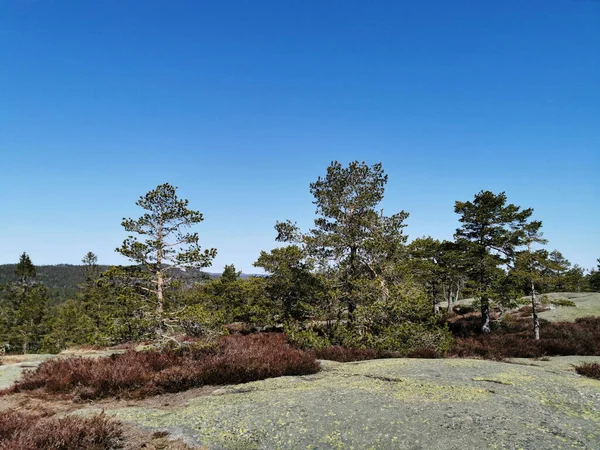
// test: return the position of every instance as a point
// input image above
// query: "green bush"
(305, 338)
(197, 321)
(400, 322)
(563, 302)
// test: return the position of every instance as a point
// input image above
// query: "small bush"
(563, 302)
(32, 431)
(236, 359)
(591, 370)
(345, 354)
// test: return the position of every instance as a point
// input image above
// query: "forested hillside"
(62, 280)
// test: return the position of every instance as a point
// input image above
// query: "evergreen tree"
(350, 234)
(167, 246)
(23, 309)
(229, 273)
(25, 270)
(560, 267)
(91, 269)
(594, 278)
(492, 231)
(291, 284)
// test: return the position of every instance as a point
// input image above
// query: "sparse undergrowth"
(236, 359)
(33, 431)
(513, 338)
(345, 354)
(591, 370)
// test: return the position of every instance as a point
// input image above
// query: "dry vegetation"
(513, 338)
(236, 359)
(591, 370)
(42, 430)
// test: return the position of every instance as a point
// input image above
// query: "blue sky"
(243, 104)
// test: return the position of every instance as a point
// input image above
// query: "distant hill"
(60, 276)
(63, 280)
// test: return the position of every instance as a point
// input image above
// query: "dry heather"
(236, 359)
(33, 431)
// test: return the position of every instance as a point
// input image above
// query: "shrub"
(236, 359)
(591, 370)
(305, 338)
(31, 431)
(513, 338)
(563, 302)
(197, 321)
(345, 354)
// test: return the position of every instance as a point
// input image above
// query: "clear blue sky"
(243, 103)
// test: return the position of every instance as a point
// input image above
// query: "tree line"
(352, 279)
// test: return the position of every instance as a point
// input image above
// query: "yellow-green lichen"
(428, 392)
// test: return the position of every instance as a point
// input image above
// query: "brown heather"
(514, 339)
(591, 370)
(34, 431)
(236, 359)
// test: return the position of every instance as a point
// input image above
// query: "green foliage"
(63, 281)
(439, 267)
(91, 269)
(197, 321)
(23, 309)
(167, 246)
(241, 300)
(400, 322)
(305, 338)
(594, 278)
(351, 240)
(108, 310)
(25, 271)
(563, 302)
(291, 285)
(492, 232)
(230, 274)
(71, 325)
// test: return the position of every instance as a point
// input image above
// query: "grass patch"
(591, 370)
(236, 359)
(32, 431)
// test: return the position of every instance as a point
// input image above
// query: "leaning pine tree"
(167, 245)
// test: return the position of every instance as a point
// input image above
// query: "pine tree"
(351, 235)
(166, 246)
(491, 231)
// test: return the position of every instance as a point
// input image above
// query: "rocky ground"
(398, 403)
(395, 403)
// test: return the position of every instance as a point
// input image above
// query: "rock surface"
(395, 404)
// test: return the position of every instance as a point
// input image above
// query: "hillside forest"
(353, 281)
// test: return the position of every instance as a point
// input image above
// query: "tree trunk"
(349, 286)
(536, 320)
(25, 343)
(485, 315)
(436, 301)
(455, 298)
(160, 281)
(159, 291)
